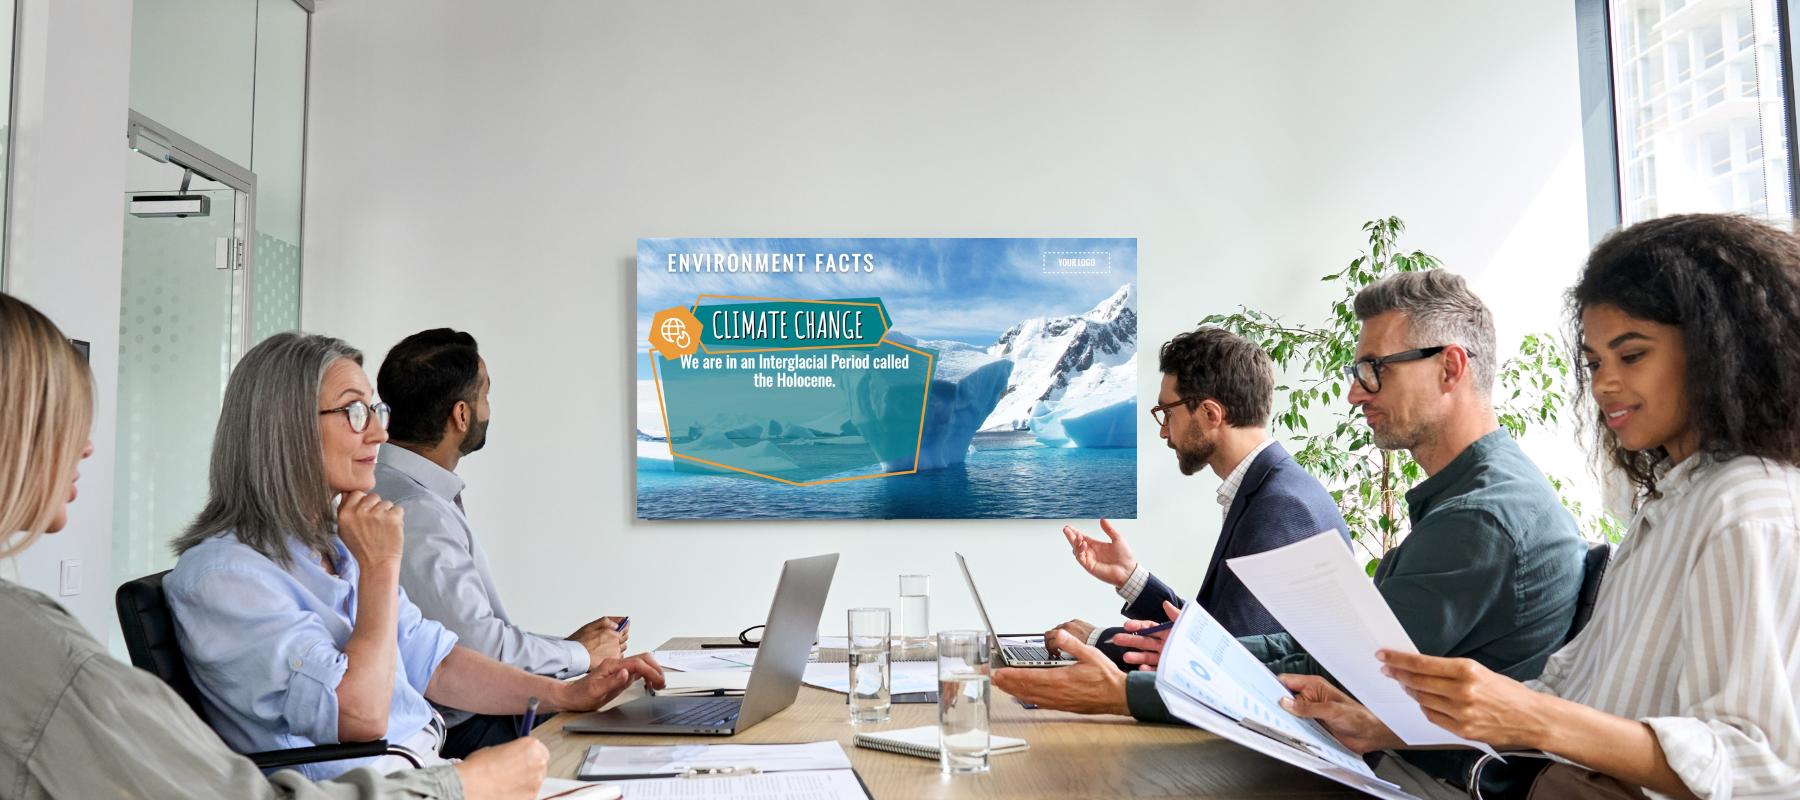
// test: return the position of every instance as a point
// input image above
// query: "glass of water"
(868, 656)
(915, 612)
(962, 658)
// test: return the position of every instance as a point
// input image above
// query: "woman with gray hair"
(286, 596)
(76, 723)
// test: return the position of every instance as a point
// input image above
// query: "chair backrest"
(1593, 570)
(149, 630)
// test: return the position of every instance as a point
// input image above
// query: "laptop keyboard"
(710, 713)
(1028, 653)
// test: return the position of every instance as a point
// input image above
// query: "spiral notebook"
(923, 742)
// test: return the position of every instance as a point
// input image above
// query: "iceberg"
(1112, 425)
(762, 457)
(1046, 425)
(735, 426)
(790, 431)
(653, 455)
(966, 384)
(649, 411)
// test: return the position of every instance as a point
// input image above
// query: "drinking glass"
(870, 697)
(963, 699)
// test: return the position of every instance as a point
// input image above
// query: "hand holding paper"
(1470, 700)
(1320, 596)
(1349, 721)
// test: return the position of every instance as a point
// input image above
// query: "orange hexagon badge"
(675, 332)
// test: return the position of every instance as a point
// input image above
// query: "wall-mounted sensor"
(170, 205)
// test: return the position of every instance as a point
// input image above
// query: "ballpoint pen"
(530, 719)
(1159, 628)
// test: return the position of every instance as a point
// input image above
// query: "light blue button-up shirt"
(265, 645)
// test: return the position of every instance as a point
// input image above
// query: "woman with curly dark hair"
(1684, 682)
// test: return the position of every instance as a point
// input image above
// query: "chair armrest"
(1486, 759)
(272, 759)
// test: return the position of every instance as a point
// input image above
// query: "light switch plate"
(71, 577)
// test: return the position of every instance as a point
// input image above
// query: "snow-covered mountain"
(1088, 360)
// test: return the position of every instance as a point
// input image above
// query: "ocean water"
(994, 483)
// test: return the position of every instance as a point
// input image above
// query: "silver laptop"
(1013, 655)
(774, 678)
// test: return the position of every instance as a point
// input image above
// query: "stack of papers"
(606, 762)
(565, 789)
(705, 660)
(835, 784)
(814, 771)
(906, 677)
(1207, 678)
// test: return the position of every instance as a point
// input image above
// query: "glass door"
(183, 322)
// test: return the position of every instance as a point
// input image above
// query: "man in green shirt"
(1493, 563)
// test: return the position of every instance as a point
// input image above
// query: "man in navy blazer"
(1213, 410)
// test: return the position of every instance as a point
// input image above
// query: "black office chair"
(149, 631)
(1593, 570)
(1526, 765)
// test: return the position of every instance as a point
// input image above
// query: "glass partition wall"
(212, 218)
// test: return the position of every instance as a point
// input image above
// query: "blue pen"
(1146, 631)
(622, 624)
(530, 720)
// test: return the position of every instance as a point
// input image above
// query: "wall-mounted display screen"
(887, 378)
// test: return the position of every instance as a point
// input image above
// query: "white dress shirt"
(445, 572)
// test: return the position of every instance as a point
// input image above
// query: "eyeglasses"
(358, 414)
(1160, 413)
(1368, 371)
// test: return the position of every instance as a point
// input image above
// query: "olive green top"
(75, 723)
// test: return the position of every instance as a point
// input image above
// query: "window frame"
(1599, 106)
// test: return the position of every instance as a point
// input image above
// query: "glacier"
(966, 384)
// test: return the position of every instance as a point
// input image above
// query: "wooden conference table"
(1070, 756)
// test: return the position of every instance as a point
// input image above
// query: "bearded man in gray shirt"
(436, 382)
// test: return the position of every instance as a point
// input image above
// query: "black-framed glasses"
(1160, 413)
(1368, 371)
(358, 414)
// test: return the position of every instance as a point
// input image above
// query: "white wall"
(490, 166)
(64, 244)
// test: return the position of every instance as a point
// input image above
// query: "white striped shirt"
(1696, 631)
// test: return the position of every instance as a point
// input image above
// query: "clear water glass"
(915, 612)
(963, 699)
(870, 694)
